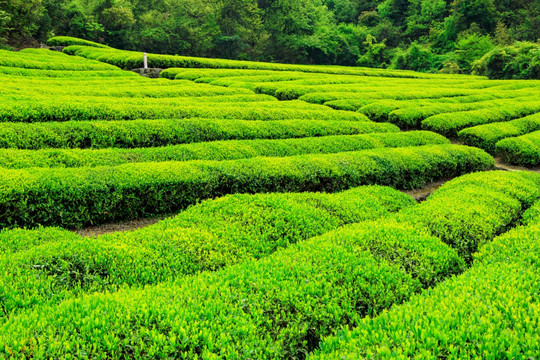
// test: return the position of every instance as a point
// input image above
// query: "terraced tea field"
(288, 234)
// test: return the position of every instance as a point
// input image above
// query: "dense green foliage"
(130, 59)
(252, 227)
(77, 196)
(256, 263)
(520, 61)
(450, 124)
(486, 136)
(68, 40)
(496, 201)
(491, 37)
(281, 305)
(215, 150)
(151, 133)
(521, 150)
(490, 311)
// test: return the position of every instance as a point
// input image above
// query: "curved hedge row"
(216, 150)
(407, 92)
(131, 60)
(99, 89)
(532, 215)
(75, 197)
(486, 136)
(348, 104)
(68, 40)
(495, 202)
(240, 312)
(277, 307)
(153, 133)
(521, 150)
(412, 117)
(284, 91)
(380, 110)
(490, 311)
(149, 94)
(450, 124)
(90, 108)
(49, 60)
(324, 95)
(51, 264)
(194, 74)
(65, 74)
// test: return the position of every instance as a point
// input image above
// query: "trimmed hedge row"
(275, 307)
(278, 307)
(68, 40)
(348, 104)
(412, 117)
(216, 150)
(381, 92)
(136, 93)
(380, 110)
(284, 91)
(521, 150)
(89, 108)
(486, 136)
(51, 264)
(532, 215)
(491, 311)
(450, 124)
(320, 96)
(194, 74)
(101, 90)
(49, 60)
(151, 133)
(75, 197)
(131, 60)
(69, 74)
(496, 201)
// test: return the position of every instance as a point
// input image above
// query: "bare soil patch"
(93, 231)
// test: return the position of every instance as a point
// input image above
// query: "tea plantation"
(289, 231)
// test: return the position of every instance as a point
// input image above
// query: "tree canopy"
(423, 35)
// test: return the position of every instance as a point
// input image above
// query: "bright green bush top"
(68, 40)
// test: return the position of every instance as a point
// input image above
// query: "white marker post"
(145, 61)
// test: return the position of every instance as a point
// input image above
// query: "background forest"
(459, 36)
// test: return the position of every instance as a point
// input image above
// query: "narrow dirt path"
(96, 230)
(423, 193)
(504, 166)
(417, 194)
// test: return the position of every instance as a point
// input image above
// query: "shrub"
(451, 123)
(486, 136)
(73, 197)
(68, 40)
(487, 310)
(280, 306)
(47, 60)
(521, 150)
(152, 133)
(495, 203)
(47, 265)
(518, 61)
(215, 150)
